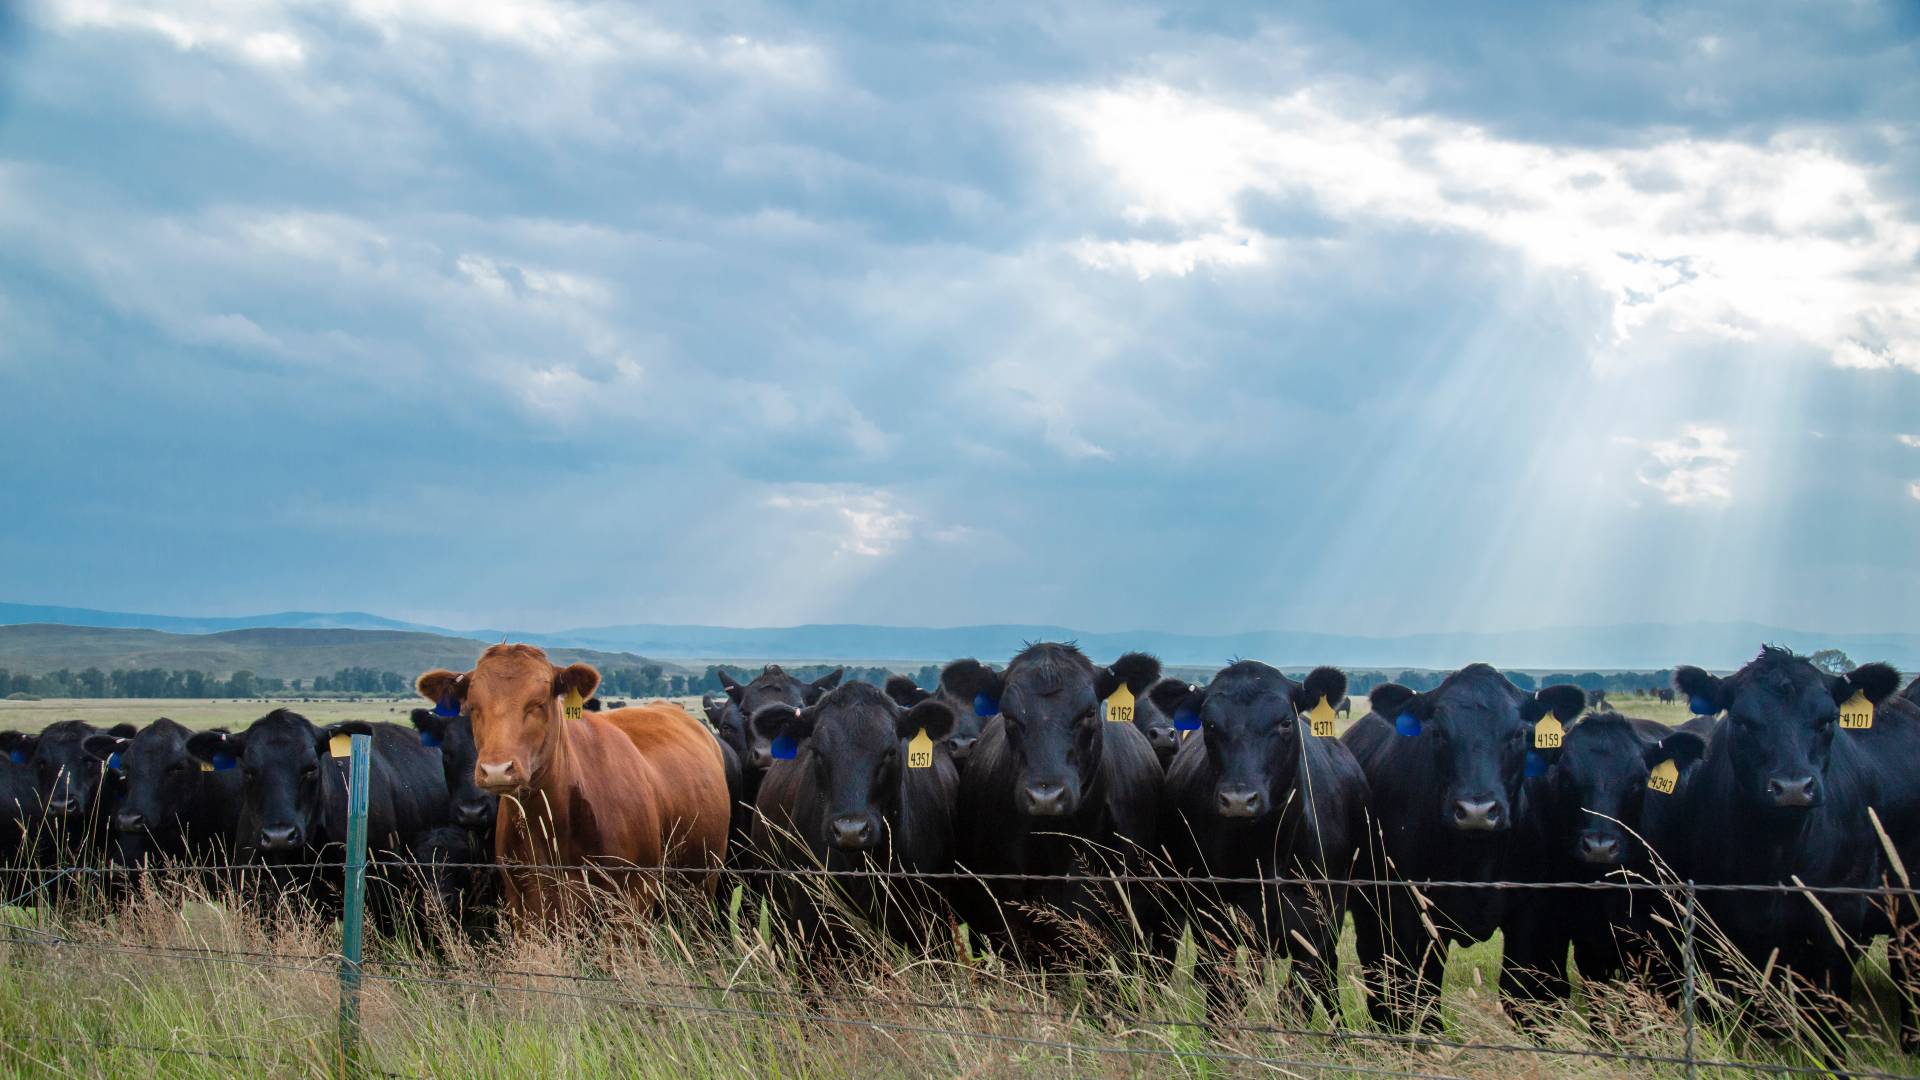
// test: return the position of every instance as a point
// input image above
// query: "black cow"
(771, 687)
(1779, 798)
(173, 807)
(849, 800)
(1141, 673)
(961, 688)
(1586, 813)
(73, 787)
(293, 805)
(468, 807)
(1345, 708)
(19, 824)
(1912, 692)
(743, 783)
(1255, 794)
(1052, 788)
(1445, 768)
(1664, 694)
(453, 860)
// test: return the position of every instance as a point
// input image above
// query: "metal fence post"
(354, 917)
(1688, 990)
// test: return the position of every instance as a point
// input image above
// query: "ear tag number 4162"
(574, 704)
(1320, 719)
(920, 751)
(1857, 713)
(1548, 733)
(1120, 705)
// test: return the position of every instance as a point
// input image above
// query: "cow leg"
(1533, 962)
(1903, 966)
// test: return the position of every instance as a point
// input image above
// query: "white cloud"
(1719, 239)
(862, 522)
(1692, 469)
(1911, 441)
(246, 30)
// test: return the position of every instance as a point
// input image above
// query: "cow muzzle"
(1599, 849)
(474, 813)
(499, 777)
(1478, 815)
(853, 833)
(1047, 799)
(279, 837)
(130, 821)
(960, 746)
(1241, 802)
(1795, 792)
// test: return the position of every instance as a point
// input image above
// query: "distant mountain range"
(1640, 646)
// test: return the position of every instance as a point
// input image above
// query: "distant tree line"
(138, 683)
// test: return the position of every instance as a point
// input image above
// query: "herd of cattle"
(1056, 805)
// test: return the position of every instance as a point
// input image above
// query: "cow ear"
(1167, 695)
(1683, 748)
(443, 687)
(219, 749)
(1185, 709)
(971, 680)
(103, 747)
(432, 729)
(904, 692)
(1563, 700)
(818, 687)
(714, 707)
(781, 720)
(1105, 682)
(17, 745)
(1138, 670)
(1391, 699)
(128, 731)
(731, 685)
(325, 735)
(1322, 682)
(930, 716)
(1706, 695)
(1876, 680)
(594, 704)
(579, 679)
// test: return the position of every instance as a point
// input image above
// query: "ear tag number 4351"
(1857, 713)
(1548, 733)
(574, 704)
(1120, 705)
(920, 751)
(1320, 719)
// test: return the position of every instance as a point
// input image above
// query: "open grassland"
(175, 981)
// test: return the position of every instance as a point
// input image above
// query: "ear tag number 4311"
(1120, 705)
(574, 704)
(1857, 713)
(1320, 719)
(1548, 733)
(920, 751)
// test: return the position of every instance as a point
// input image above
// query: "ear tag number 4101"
(1120, 705)
(1857, 713)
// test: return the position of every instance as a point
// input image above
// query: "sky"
(1364, 318)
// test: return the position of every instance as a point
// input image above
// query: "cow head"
(1476, 729)
(965, 687)
(471, 808)
(1250, 721)
(1049, 702)
(512, 699)
(772, 687)
(1781, 717)
(1595, 784)
(161, 777)
(283, 767)
(728, 725)
(71, 778)
(853, 740)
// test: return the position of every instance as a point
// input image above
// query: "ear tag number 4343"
(574, 704)
(1857, 713)
(920, 751)
(1664, 777)
(1320, 719)
(1548, 733)
(1120, 706)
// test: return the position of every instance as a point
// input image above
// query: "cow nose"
(1163, 738)
(761, 757)
(473, 813)
(1791, 790)
(1046, 800)
(279, 837)
(852, 833)
(1599, 849)
(62, 804)
(497, 775)
(129, 821)
(1477, 814)
(1242, 802)
(961, 745)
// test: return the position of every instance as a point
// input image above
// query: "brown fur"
(641, 786)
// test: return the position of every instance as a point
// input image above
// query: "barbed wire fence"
(769, 1004)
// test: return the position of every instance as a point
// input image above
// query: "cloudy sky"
(1368, 320)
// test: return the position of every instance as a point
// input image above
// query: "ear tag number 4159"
(574, 704)
(920, 751)
(1120, 705)
(1320, 719)
(1548, 733)
(1857, 713)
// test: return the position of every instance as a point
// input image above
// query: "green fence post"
(354, 917)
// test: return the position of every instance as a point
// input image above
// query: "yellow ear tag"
(1548, 733)
(1663, 777)
(340, 746)
(1857, 713)
(206, 766)
(1321, 719)
(1120, 705)
(574, 704)
(920, 751)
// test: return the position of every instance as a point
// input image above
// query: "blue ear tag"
(985, 707)
(222, 762)
(1184, 720)
(113, 760)
(428, 738)
(1700, 706)
(446, 707)
(1536, 763)
(784, 747)
(18, 757)
(1407, 724)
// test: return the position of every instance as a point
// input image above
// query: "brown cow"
(640, 786)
